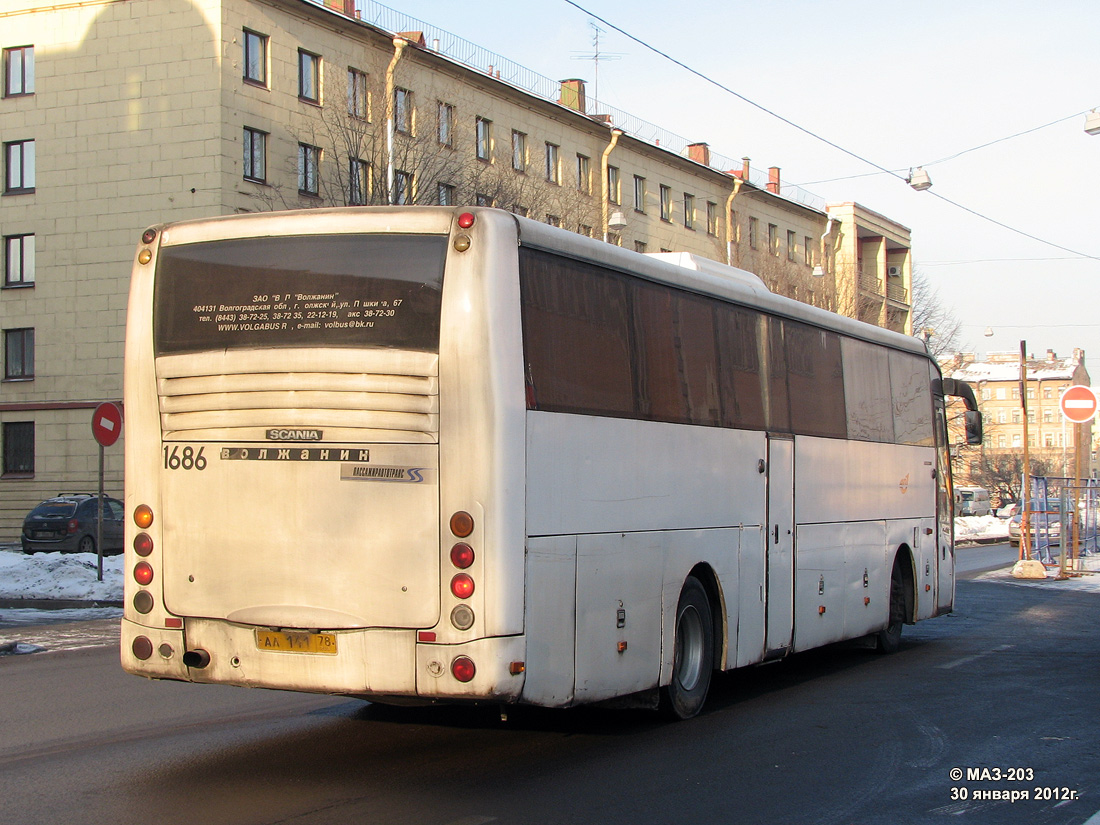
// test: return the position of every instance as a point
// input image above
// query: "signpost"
(106, 428)
(1078, 405)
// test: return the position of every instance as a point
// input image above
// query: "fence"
(1065, 513)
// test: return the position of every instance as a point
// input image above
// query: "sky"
(899, 84)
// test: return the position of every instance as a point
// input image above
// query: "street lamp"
(1092, 122)
(919, 179)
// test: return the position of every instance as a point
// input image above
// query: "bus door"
(780, 546)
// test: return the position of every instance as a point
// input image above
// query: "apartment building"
(1051, 440)
(118, 114)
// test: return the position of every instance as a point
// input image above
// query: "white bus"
(437, 454)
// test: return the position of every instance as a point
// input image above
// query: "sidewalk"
(1086, 576)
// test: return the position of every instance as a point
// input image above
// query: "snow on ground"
(972, 528)
(59, 576)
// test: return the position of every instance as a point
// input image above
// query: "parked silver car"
(1046, 522)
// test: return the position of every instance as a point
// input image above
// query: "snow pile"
(59, 576)
(973, 528)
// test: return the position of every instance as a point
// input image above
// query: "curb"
(55, 604)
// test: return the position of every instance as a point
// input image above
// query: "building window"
(640, 246)
(255, 155)
(613, 194)
(402, 188)
(446, 132)
(18, 448)
(1048, 416)
(358, 100)
(19, 166)
(484, 138)
(18, 354)
(19, 71)
(309, 166)
(666, 203)
(358, 182)
(712, 218)
(553, 220)
(483, 200)
(1017, 440)
(639, 194)
(808, 250)
(403, 110)
(584, 174)
(553, 166)
(754, 233)
(445, 194)
(519, 151)
(689, 211)
(584, 229)
(792, 245)
(255, 58)
(19, 260)
(773, 239)
(309, 76)
(520, 210)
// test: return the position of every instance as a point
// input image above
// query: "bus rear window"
(303, 291)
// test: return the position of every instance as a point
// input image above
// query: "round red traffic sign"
(1078, 404)
(107, 423)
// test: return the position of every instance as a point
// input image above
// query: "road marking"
(967, 659)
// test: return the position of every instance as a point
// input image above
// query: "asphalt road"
(839, 736)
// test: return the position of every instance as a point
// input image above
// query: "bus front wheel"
(693, 656)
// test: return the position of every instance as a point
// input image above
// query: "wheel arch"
(903, 558)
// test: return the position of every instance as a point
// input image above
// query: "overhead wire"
(881, 169)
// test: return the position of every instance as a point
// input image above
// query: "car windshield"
(54, 509)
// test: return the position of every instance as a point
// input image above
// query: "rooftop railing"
(481, 59)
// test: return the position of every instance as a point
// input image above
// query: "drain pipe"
(615, 134)
(729, 220)
(399, 44)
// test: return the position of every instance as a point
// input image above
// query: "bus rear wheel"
(889, 638)
(693, 656)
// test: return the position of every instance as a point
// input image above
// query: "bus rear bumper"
(370, 662)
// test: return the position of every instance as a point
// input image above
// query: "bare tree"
(361, 168)
(933, 320)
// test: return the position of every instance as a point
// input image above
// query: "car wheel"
(87, 545)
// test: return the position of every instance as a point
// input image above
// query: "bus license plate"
(290, 642)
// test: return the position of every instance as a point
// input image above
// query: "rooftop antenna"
(596, 56)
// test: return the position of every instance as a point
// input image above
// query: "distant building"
(119, 114)
(996, 381)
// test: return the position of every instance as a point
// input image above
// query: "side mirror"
(973, 427)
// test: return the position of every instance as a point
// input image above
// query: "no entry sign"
(107, 423)
(1078, 404)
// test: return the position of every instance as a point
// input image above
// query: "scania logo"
(294, 435)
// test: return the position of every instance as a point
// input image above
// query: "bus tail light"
(462, 617)
(143, 516)
(462, 555)
(143, 602)
(462, 586)
(466, 220)
(142, 648)
(462, 524)
(462, 668)
(143, 544)
(143, 573)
